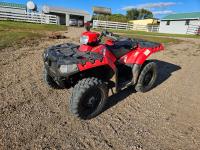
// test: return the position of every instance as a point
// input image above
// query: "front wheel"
(147, 77)
(88, 98)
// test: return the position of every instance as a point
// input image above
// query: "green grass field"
(164, 40)
(143, 33)
(137, 34)
(15, 33)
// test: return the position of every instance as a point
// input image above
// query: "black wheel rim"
(147, 78)
(91, 101)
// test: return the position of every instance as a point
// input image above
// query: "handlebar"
(105, 33)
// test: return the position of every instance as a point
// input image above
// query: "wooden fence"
(193, 29)
(124, 26)
(30, 17)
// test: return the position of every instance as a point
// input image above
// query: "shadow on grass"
(165, 70)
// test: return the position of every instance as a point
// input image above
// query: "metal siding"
(144, 21)
(69, 12)
(176, 27)
(12, 10)
(12, 5)
(87, 18)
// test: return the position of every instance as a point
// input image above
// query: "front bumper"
(53, 65)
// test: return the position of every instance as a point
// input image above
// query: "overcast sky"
(159, 8)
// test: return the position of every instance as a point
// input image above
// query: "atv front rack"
(69, 54)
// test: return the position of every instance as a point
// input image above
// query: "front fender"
(108, 59)
(97, 63)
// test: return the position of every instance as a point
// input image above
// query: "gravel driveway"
(32, 116)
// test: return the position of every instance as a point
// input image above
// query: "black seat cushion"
(121, 47)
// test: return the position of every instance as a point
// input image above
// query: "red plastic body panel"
(136, 56)
(108, 58)
(93, 36)
(109, 42)
(84, 48)
(139, 55)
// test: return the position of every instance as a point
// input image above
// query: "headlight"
(84, 39)
(68, 68)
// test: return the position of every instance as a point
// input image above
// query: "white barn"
(65, 14)
(182, 23)
(12, 8)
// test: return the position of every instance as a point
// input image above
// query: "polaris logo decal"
(147, 52)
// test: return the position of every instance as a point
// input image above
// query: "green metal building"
(12, 8)
(181, 23)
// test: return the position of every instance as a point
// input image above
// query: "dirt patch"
(32, 116)
(57, 35)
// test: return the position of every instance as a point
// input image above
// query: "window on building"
(187, 22)
(168, 23)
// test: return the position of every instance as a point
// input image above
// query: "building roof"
(12, 5)
(183, 16)
(48, 9)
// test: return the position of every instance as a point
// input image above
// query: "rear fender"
(137, 58)
(140, 55)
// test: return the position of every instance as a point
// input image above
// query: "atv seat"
(121, 47)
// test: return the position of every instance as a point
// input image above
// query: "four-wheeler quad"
(92, 67)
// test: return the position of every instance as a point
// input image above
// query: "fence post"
(57, 20)
(93, 24)
(41, 18)
(187, 29)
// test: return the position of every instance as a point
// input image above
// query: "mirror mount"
(87, 26)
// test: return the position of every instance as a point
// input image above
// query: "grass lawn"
(163, 39)
(143, 33)
(15, 33)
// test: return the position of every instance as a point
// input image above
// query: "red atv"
(93, 67)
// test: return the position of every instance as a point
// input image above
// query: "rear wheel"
(88, 98)
(147, 77)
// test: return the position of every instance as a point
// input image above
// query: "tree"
(118, 18)
(134, 14)
(113, 17)
(145, 14)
